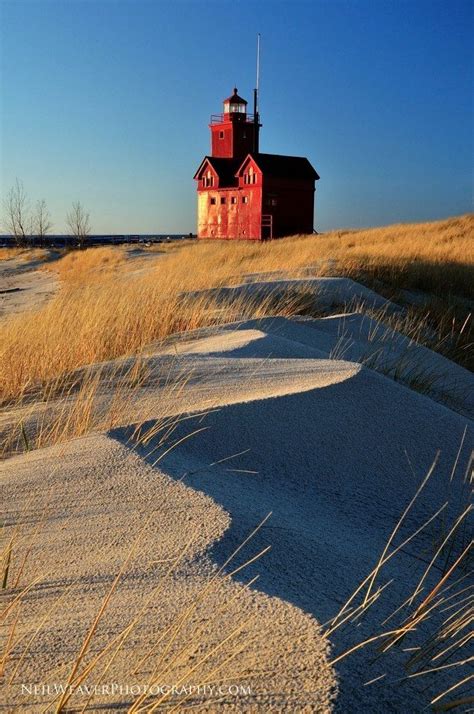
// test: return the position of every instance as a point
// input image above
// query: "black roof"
(292, 167)
(235, 99)
(297, 167)
(224, 168)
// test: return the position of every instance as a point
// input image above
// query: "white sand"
(23, 286)
(350, 337)
(333, 449)
(96, 502)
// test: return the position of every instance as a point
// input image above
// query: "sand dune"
(333, 449)
(336, 465)
(348, 337)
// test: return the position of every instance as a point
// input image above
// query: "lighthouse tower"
(234, 133)
(244, 194)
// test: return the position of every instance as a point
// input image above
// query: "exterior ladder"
(267, 222)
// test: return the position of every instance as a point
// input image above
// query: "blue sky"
(108, 101)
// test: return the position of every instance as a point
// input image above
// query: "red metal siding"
(229, 220)
(232, 138)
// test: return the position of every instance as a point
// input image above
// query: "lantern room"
(235, 105)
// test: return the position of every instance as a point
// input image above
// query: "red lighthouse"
(243, 194)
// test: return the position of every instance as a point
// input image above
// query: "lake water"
(64, 240)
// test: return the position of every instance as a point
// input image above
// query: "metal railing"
(219, 118)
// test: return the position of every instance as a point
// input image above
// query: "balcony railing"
(219, 118)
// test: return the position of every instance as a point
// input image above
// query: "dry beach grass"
(103, 311)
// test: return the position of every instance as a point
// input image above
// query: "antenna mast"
(256, 118)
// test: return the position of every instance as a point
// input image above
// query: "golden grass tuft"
(8, 253)
(78, 266)
(23, 253)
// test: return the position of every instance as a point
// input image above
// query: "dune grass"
(86, 266)
(110, 306)
(435, 257)
(89, 323)
(23, 253)
(7, 253)
(431, 627)
(104, 311)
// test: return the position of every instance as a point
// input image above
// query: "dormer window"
(250, 176)
(208, 180)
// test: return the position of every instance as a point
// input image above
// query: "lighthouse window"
(213, 201)
(222, 199)
(221, 135)
(245, 199)
(233, 199)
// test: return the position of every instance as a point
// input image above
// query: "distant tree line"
(32, 224)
